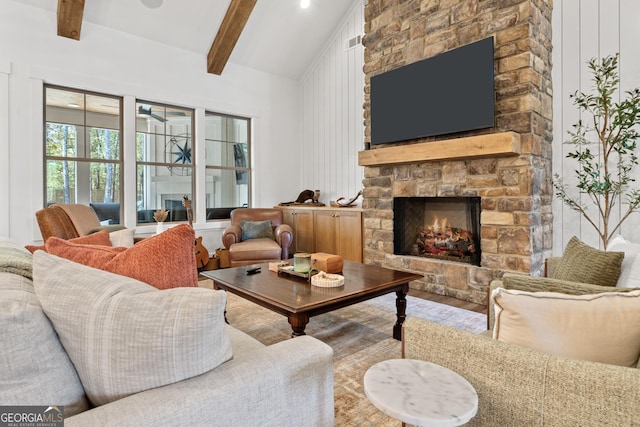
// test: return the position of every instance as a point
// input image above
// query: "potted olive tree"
(605, 150)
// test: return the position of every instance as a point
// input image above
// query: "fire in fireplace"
(438, 227)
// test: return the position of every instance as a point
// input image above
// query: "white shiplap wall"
(332, 130)
(584, 29)
(31, 54)
(5, 71)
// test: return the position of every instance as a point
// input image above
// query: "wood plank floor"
(442, 299)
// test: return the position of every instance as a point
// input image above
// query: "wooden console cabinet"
(325, 229)
(301, 221)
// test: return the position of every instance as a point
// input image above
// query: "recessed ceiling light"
(73, 105)
(305, 3)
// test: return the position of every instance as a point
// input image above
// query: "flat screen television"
(450, 92)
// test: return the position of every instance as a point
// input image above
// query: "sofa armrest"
(231, 235)
(520, 386)
(283, 234)
(288, 383)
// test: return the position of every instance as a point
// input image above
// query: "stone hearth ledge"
(491, 145)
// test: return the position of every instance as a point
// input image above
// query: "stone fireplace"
(505, 168)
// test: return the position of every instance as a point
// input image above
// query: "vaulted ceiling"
(275, 36)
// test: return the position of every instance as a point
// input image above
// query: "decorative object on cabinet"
(306, 197)
(344, 203)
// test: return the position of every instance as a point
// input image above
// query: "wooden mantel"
(491, 145)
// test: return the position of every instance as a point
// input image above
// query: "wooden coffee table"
(298, 300)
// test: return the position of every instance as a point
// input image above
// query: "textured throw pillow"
(100, 238)
(597, 327)
(95, 256)
(35, 368)
(166, 260)
(124, 336)
(256, 230)
(630, 274)
(582, 263)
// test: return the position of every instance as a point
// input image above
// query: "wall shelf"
(490, 145)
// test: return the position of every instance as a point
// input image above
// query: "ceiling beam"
(228, 34)
(70, 18)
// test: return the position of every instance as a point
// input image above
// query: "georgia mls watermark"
(31, 416)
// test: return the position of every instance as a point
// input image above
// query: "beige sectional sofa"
(286, 384)
(518, 386)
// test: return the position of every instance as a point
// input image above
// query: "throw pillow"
(122, 237)
(630, 274)
(95, 256)
(256, 229)
(124, 336)
(596, 327)
(166, 260)
(99, 238)
(582, 263)
(36, 369)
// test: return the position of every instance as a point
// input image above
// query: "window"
(82, 147)
(83, 157)
(228, 167)
(164, 154)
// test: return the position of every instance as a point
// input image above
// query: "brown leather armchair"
(68, 221)
(257, 250)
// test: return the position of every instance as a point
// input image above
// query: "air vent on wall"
(353, 42)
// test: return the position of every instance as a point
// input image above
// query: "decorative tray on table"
(288, 269)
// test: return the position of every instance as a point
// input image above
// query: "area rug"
(360, 335)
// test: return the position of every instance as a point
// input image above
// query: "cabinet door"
(325, 231)
(339, 233)
(348, 238)
(303, 230)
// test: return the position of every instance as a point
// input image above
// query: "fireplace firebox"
(445, 228)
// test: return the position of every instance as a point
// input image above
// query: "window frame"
(192, 165)
(128, 175)
(248, 168)
(86, 158)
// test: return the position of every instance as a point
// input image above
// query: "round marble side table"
(420, 393)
